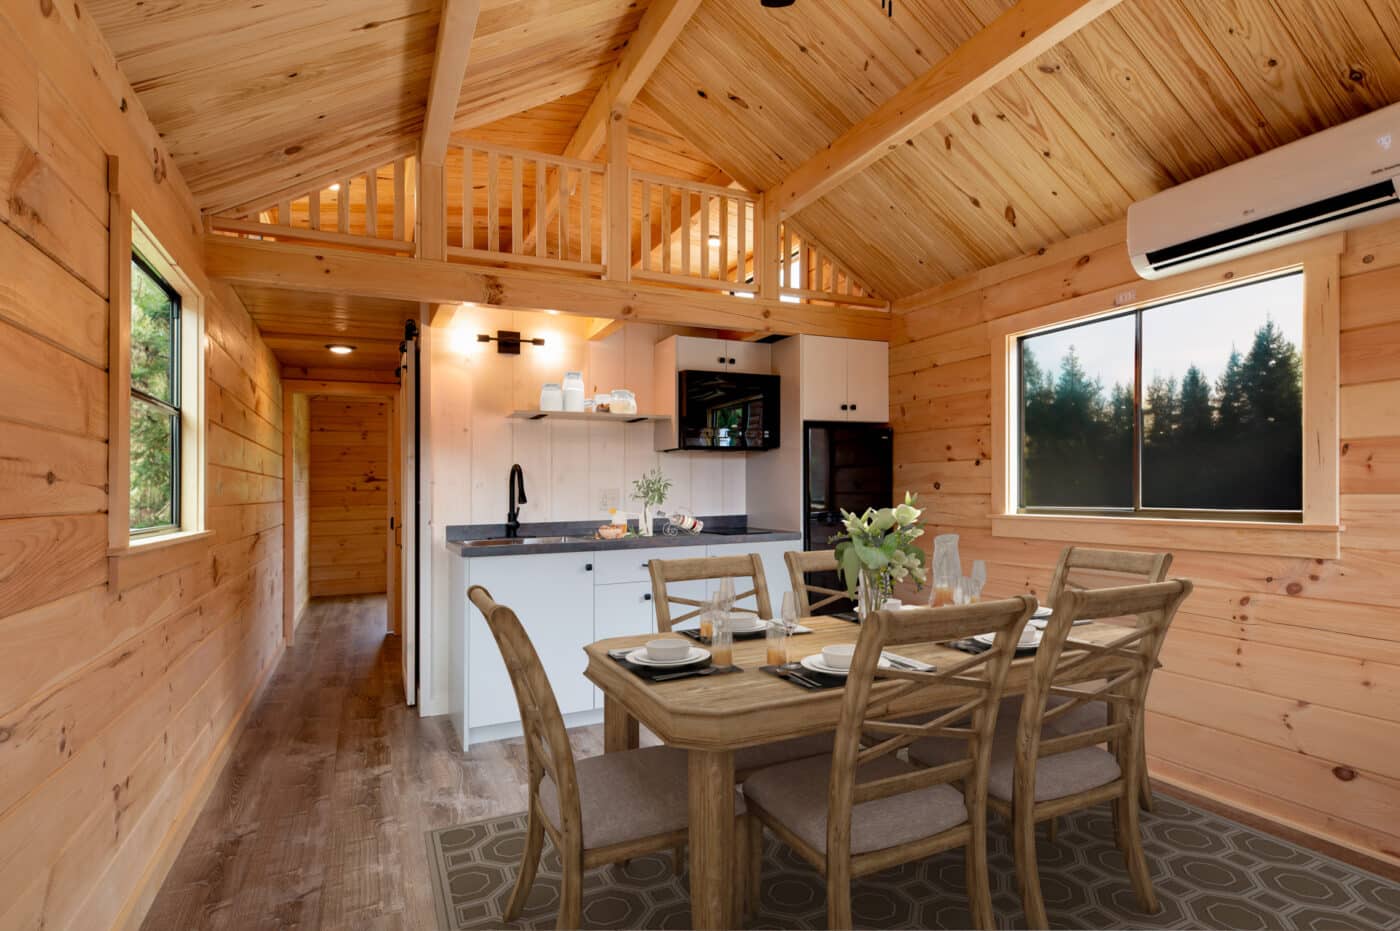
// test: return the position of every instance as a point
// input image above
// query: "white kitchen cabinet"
(552, 594)
(695, 353)
(623, 609)
(845, 379)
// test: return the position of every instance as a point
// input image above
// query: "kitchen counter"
(577, 537)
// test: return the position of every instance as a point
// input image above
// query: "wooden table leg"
(712, 841)
(620, 730)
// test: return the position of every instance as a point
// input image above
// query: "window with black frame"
(1177, 408)
(155, 401)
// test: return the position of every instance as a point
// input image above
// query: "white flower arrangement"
(880, 545)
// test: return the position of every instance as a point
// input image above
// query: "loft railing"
(693, 234)
(373, 208)
(508, 206)
(525, 208)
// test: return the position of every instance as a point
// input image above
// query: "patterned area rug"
(1210, 872)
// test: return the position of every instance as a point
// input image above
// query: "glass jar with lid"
(573, 391)
(551, 397)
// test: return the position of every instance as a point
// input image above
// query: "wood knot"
(1367, 259)
(50, 478)
(1344, 773)
(495, 291)
(5, 734)
(1294, 588)
(46, 8)
(158, 170)
(291, 150)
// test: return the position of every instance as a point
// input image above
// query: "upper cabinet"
(845, 379)
(695, 353)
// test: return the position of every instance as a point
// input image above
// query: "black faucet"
(516, 491)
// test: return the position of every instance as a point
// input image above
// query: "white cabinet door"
(621, 610)
(695, 353)
(823, 378)
(751, 358)
(868, 380)
(553, 597)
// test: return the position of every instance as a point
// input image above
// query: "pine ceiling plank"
(1013, 40)
(1345, 47)
(456, 28)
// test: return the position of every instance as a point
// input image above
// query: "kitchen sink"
(521, 541)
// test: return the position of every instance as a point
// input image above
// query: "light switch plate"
(609, 498)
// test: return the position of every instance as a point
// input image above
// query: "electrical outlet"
(609, 498)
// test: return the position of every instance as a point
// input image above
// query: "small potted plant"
(877, 549)
(651, 490)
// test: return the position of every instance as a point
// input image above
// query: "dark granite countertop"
(577, 537)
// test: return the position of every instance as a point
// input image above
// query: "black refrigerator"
(848, 466)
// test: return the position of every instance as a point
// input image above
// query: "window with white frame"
(1185, 407)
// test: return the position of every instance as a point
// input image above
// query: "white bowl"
(838, 655)
(1030, 636)
(667, 649)
(743, 622)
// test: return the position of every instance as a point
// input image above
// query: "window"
(1186, 407)
(156, 419)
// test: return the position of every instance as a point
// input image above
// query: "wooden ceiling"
(298, 325)
(255, 97)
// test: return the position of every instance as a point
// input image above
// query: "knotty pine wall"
(117, 701)
(301, 505)
(349, 478)
(1281, 687)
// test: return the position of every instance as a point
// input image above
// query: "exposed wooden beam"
(306, 268)
(603, 328)
(659, 27)
(1012, 41)
(456, 27)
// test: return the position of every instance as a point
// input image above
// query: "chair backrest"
(801, 563)
(546, 740)
(1117, 672)
(664, 571)
(1082, 567)
(866, 733)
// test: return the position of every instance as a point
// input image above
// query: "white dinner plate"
(817, 664)
(639, 656)
(1043, 611)
(988, 639)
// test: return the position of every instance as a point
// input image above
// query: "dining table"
(712, 716)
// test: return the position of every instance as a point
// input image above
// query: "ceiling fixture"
(335, 187)
(340, 349)
(508, 342)
(714, 239)
(771, 4)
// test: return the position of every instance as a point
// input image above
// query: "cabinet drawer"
(613, 566)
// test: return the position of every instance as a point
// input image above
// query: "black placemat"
(694, 634)
(652, 673)
(977, 646)
(822, 680)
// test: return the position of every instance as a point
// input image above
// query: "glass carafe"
(947, 568)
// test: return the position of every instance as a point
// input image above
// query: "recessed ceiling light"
(335, 187)
(714, 240)
(340, 349)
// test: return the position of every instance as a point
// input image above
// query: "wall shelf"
(587, 415)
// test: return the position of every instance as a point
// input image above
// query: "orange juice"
(777, 653)
(723, 654)
(707, 627)
(942, 595)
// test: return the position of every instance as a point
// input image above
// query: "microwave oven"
(727, 411)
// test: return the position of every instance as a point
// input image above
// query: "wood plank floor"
(319, 819)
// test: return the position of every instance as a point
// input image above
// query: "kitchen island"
(570, 590)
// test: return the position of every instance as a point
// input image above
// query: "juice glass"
(777, 641)
(722, 643)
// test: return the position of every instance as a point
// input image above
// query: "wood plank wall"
(301, 505)
(349, 495)
(1281, 690)
(116, 704)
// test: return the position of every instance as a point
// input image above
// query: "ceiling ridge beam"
(456, 27)
(1010, 42)
(658, 29)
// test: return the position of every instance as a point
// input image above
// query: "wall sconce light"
(508, 342)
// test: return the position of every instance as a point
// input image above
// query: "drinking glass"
(789, 614)
(777, 641)
(707, 619)
(725, 598)
(979, 572)
(947, 568)
(722, 641)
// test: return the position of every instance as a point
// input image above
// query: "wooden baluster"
(742, 249)
(540, 209)
(562, 212)
(666, 228)
(585, 216)
(646, 225)
(313, 209)
(400, 186)
(342, 207)
(704, 234)
(372, 203)
(493, 203)
(723, 238)
(284, 213)
(687, 218)
(468, 200)
(787, 256)
(517, 205)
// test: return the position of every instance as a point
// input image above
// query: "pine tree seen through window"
(155, 401)
(1190, 405)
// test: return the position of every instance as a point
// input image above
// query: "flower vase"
(644, 523)
(871, 592)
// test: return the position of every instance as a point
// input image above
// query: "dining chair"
(861, 809)
(599, 810)
(799, 564)
(712, 568)
(1041, 772)
(1082, 568)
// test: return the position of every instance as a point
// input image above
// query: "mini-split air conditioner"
(1337, 179)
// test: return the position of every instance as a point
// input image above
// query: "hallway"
(319, 819)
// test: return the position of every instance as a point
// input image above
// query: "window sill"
(1313, 541)
(143, 559)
